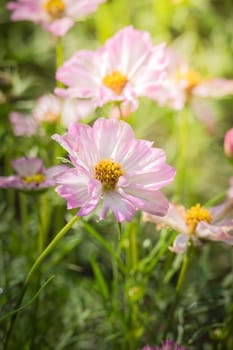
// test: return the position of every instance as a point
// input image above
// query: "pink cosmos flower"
(184, 85)
(197, 224)
(51, 109)
(31, 175)
(22, 125)
(126, 67)
(228, 143)
(56, 16)
(167, 345)
(113, 168)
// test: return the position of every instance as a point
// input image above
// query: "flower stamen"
(190, 76)
(55, 8)
(115, 81)
(196, 214)
(36, 178)
(50, 117)
(108, 172)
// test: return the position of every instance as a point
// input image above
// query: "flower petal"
(180, 243)
(175, 218)
(121, 207)
(215, 233)
(27, 166)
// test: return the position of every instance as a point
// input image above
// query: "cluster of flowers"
(112, 170)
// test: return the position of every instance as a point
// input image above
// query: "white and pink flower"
(113, 169)
(126, 67)
(56, 16)
(185, 85)
(52, 109)
(23, 125)
(31, 175)
(197, 224)
(49, 109)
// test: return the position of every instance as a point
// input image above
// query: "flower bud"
(228, 143)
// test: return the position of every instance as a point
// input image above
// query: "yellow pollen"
(190, 76)
(36, 178)
(55, 8)
(115, 81)
(108, 172)
(50, 117)
(196, 214)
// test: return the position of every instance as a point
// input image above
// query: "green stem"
(50, 247)
(33, 270)
(41, 235)
(59, 57)
(179, 285)
(105, 244)
(182, 137)
(134, 310)
(24, 212)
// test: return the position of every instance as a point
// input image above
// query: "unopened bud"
(228, 143)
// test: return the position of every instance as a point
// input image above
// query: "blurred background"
(74, 308)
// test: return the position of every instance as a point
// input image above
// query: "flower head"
(113, 168)
(52, 109)
(56, 16)
(198, 224)
(228, 143)
(22, 125)
(130, 67)
(184, 85)
(31, 175)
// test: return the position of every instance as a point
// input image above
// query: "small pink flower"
(126, 67)
(167, 345)
(185, 85)
(197, 224)
(31, 175)
(56, 16)
(228, 143)
(52, 109)
(113, 168)
(22, 125)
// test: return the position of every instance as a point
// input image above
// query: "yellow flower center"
(36, 178)
(115, 81)
(50, 117)
(55, 8)
(108, 172)
(196, 214)
(190, 76)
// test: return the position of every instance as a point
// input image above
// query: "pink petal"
(22, 125)
(120, 206)
(112, 138)
(152, 202)
(174, 218)
(54, 171)
(214, 88)
(59, 27)
(79, 9)
(215, 233)
(27, 166)
(180, 243)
